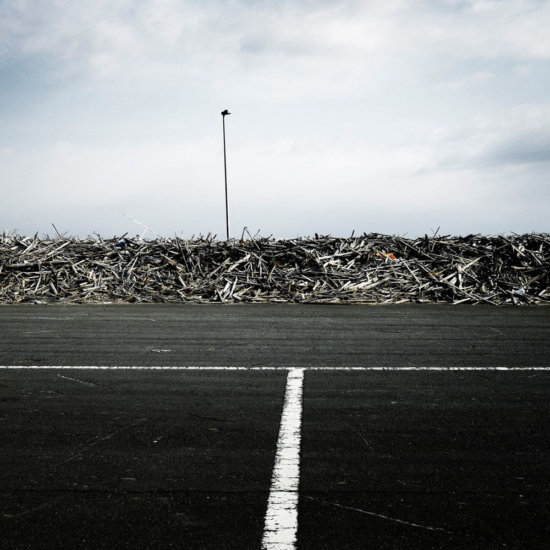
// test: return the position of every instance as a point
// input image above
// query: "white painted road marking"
(281, 519)
(215, 368)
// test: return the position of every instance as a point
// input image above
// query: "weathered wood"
(362, 269)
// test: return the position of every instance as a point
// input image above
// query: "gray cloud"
(529, 148)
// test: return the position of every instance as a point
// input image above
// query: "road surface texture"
(398, 427)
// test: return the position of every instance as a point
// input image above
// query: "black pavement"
(166, 459)
(274, 335)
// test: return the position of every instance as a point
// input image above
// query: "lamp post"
(224, 113)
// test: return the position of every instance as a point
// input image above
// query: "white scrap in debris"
(281, 520)
(161, 350)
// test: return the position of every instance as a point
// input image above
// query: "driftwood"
(366, 269)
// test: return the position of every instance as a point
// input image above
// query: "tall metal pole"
(224, 113)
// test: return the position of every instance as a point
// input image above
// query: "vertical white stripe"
(281, 519)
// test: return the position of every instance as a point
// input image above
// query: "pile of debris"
(366, 269)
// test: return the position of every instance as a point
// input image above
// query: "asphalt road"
(274, 335)
(183, 459)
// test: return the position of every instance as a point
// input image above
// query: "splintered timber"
(370, 268)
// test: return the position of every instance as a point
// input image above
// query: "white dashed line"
(281, 519)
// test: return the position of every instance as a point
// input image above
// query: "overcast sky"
(390, 116)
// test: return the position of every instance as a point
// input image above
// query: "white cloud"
(475, 79)
(522, 69)
(489, 29)
(347, 114)
(281, 49)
